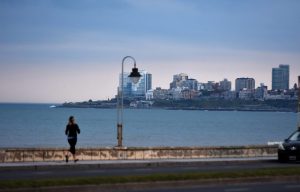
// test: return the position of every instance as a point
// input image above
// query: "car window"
(295, 136)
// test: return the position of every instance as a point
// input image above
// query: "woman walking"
(71, 131)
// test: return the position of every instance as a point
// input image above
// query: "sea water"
(39, 125)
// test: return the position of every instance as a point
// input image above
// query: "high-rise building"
(280, 77)
(139, 89)
(244, 83)
(144, 84)
(225, 85)
(127, 84)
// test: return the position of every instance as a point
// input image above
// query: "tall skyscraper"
(244, 83)
(144, 84)
(281, 77)
(130, 89)
(127, 84)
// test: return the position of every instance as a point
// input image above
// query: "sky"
(54, 51)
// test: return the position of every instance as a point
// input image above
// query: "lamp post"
(134, 76)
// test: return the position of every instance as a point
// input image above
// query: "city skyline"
(57, 51)
(252, 85)
(140, 88)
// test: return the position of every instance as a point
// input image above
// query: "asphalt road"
(84, 170)
(37, 171)
(252, 187)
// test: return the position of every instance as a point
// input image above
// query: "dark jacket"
(72, 130)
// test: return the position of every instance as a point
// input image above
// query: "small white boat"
(52, 106)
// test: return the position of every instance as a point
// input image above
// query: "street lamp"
(134, 77)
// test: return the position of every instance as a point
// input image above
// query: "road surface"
(250, 187)
(123, 168)
(85, 169)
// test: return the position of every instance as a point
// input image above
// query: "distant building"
(225, 85)
(150, 95)
(127, 84)
(280, 77)
(160, 93)
(189, 94)
(246, 94)
(143, 85)
(176, 93)
(261, 92)
(200, 86)
(244, 83)
(191, 84)
(229, 95)
(178, 80)
(277, 95)
(136, 90)
(209, 86)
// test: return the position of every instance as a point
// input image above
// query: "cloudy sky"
(71, 50)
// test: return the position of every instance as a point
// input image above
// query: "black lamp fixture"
(135, 75)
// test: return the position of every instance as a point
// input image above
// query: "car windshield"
(295, 136)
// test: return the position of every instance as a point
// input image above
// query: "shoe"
(67, 158)
(76, 160)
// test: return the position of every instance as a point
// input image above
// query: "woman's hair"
(71, 120)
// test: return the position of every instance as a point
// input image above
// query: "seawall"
(135, 153)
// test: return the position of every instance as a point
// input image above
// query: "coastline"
(201, 105)
(187, 108)
(248, 110)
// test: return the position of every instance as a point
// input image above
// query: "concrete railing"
(135, 153)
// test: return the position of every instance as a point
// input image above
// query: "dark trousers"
(72, 143)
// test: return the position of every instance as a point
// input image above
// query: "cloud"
(93, 47)
(46, 41)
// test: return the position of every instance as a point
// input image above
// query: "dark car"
(290, 148)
